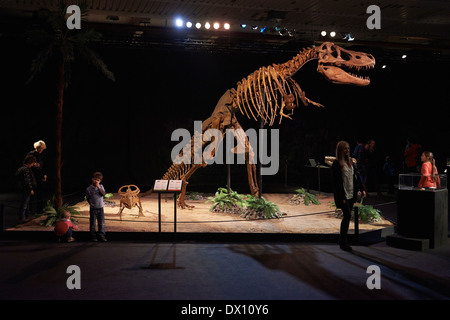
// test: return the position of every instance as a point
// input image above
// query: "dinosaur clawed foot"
(184, 205)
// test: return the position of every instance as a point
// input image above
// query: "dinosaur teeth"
(359, 77)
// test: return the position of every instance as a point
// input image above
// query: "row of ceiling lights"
(181, 23)
(216, 25)
(189, 24)
(345, 36)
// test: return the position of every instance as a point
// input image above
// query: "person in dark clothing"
(372, 166)
(27, 183)
(412, 156)
(39, 174)
(389, 173)
(94, 196)
(346, 185)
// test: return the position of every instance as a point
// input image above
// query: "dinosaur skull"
(333, 59)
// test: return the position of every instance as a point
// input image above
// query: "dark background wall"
(123, 128)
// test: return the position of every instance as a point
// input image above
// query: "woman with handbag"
(346, 185)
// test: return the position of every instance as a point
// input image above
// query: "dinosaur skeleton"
(267, 93)
(129, 199)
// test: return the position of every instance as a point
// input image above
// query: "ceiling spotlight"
(243, 26)
(216, 25)
(323, 33)
(179, 22)
(198, 25)
(227, 26)
(348, 37)
(404, 56)
(189, 24)
(383, 67)
(332, 33)
(207, 25)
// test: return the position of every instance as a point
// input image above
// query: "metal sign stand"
(164, 186)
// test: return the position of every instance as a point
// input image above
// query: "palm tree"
(63, 46)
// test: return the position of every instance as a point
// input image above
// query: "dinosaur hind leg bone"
(242, 140)
(221, 120)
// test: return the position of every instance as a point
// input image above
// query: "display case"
(416, 181)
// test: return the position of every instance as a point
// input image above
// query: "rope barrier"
(212, 221)
(195, 222)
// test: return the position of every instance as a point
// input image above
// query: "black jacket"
(26, 179)
(338, 184)
(38, 171)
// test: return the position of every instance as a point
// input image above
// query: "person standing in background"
(430, 177)
(27, 184)
(346, 185)
(411, 156)
(94, 196)
(39, 174)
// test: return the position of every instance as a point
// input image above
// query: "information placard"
(175, 185)
(161, 185)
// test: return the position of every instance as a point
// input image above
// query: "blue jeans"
(97, 215)
(25, 207)
(67, 235)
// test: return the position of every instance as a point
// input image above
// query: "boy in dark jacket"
(27, 184)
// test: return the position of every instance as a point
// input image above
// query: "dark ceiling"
(419, 28)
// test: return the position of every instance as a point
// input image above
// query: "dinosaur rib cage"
(263, 94)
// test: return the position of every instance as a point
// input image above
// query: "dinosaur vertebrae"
(181, 169)
(177, 171)
(270, 91)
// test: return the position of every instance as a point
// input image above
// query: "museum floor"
(223, 270)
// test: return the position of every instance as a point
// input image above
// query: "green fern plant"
(225, 200)
(262, 208)
(308, 198)
(368, 213)
(54, 214)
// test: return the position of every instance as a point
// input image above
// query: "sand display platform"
(296, 219)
